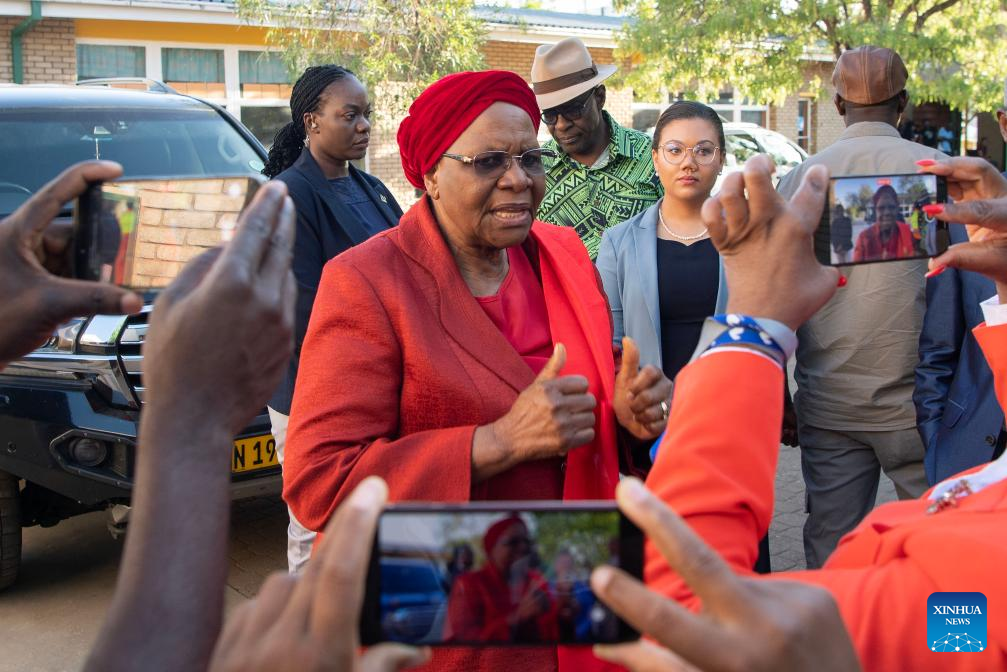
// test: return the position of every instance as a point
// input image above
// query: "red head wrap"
(447, 107)
(884, 189)
(496, 531)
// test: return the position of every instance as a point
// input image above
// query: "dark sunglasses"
(571, 111)
(496, 163)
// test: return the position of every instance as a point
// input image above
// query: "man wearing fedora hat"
(602, 173)
(856, 357)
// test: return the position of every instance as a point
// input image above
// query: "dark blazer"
(957, 413)
(325, 227)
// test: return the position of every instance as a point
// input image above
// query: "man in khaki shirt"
(856, 357)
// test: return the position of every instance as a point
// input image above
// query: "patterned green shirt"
(608, 193)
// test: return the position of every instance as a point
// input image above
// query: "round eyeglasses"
(493, 164)
(704, 153)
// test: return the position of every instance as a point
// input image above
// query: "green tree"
(954, 49)
(400, 45)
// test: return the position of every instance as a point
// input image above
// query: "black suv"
(69, 410)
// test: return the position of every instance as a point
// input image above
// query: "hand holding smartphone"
(881, 218)
(497, 573)
(139, 233)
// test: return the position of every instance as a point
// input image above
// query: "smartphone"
(497, 573)
(138, 234)
(872, 218)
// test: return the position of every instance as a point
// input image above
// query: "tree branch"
(936, 9)
(868, 9)
(913, 6)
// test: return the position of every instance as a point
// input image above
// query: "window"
(757, 117)
(804, 123)
(197, 72)
(263, 75)
(101, 60)
(265, 122)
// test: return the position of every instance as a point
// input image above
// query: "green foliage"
(402, 44)
(585, 534)
(954, 49)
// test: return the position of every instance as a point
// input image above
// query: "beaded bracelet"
(744, 330)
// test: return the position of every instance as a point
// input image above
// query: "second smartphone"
(872, 218)
(139, 233)
(497, 573)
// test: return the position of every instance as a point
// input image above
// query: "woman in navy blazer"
(661, 273)
(337, 205)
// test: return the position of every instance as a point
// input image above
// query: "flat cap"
(869, 75)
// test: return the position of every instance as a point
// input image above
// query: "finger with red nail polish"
(933, 209)
(936, 270)
(926, 163)
(842, 281)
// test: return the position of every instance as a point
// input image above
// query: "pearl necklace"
(660, 217)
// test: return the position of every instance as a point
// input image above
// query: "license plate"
(253, 453)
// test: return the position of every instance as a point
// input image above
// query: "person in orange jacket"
(717, 463)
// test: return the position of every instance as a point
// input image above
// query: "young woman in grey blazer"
(661, 273)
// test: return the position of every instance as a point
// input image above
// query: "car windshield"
(408, 578)
(147, 142)
(783, 153)
(743, 146)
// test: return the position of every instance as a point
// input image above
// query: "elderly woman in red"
(507, 600)
(466, 354)
(889, 237)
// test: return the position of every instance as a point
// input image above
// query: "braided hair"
(305, 97)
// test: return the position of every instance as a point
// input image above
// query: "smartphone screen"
(880, 218)
(140, 233)
(472, 575)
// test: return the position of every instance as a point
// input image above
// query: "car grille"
(133, 336)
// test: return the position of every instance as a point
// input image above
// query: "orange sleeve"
(993, 341)
(717, 462)
(344, 421)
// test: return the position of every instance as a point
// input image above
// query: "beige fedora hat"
(563, 71)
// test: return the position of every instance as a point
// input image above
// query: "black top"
(688, 277)
(326, 226)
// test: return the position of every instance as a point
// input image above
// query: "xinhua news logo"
(956, 622)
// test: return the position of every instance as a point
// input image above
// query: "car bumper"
(41, 418)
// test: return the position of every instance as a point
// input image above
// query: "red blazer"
(400, 365)
(716, 469)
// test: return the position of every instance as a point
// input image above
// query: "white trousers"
(299, 538)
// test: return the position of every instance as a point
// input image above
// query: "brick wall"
(49, 50)
(176, 222)
(383, 154)
(826, 123)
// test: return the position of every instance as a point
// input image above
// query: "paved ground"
(786, 545)
(50, 617)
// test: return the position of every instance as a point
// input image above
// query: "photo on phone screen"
(140, 233)
(880, 218)
(472, 575)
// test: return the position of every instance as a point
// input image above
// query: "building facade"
(202, 48)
